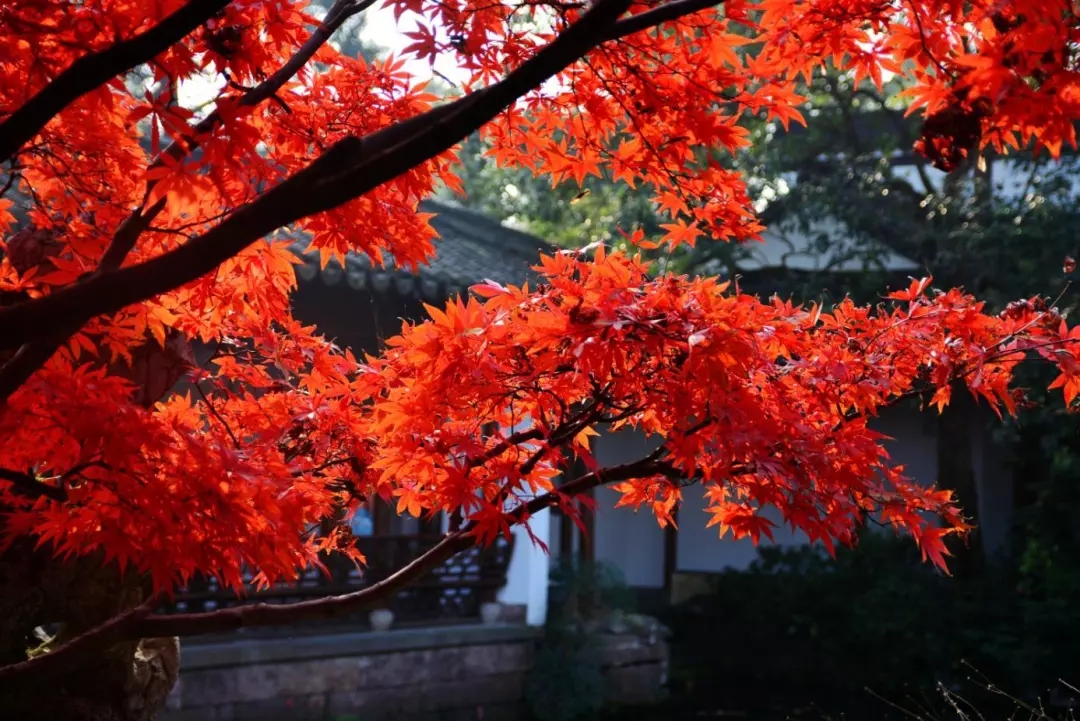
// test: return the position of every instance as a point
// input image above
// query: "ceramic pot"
(490, 612)
(381, 619)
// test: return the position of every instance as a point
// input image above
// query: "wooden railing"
(451, 591)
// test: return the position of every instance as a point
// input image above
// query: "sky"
(380, 29)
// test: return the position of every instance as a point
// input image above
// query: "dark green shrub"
(798, 627)
(567, 683)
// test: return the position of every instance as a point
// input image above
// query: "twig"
(96, 69)
(347, 170)
(215, 414)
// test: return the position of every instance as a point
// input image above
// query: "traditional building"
(358, 306)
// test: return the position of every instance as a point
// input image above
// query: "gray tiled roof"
(470, 248)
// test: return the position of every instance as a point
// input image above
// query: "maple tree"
(150, 229)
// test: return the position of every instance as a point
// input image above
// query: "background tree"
(853, 165)
(149, 229)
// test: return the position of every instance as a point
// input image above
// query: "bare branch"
(94, 70)
(650, 465)
(113, 630)
(262, 614)
(23, 364)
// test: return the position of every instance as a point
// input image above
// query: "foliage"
(568, 214)
(567, 682)
(874, 619)
(1046, 554)
(141, 230)
(817, 622)
(851, 165)
(582, 591)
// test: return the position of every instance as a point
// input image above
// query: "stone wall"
(448, 673)
(635, 669)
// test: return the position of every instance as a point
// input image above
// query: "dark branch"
(32, 356)
(141, 218)
(657, 16)
(94, 70)
(650, 465)
(263, 614)
(24, 364)
(140, 623)
(82, 646)
(347, 170)
(26, 485)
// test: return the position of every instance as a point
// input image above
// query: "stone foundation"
(448, 673)
(635, 669)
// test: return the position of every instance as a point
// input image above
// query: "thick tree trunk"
(129, 682)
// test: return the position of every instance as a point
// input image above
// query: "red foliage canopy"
(151, 225)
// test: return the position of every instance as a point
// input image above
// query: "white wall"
(635, 542)
(701, 549)
(527, 576)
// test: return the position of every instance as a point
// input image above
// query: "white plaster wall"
(633, 542)
(914, 440)
(701, 549)
(916, 447)
(527, 576)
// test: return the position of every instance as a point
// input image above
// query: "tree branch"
(31, 356)
(66, 656)
(263, 614)
(141, 218)
(26, 361)
(26, 485)
(140, 623)
(96, 69)
(657, 16)
(350, 168)
(650, 465)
